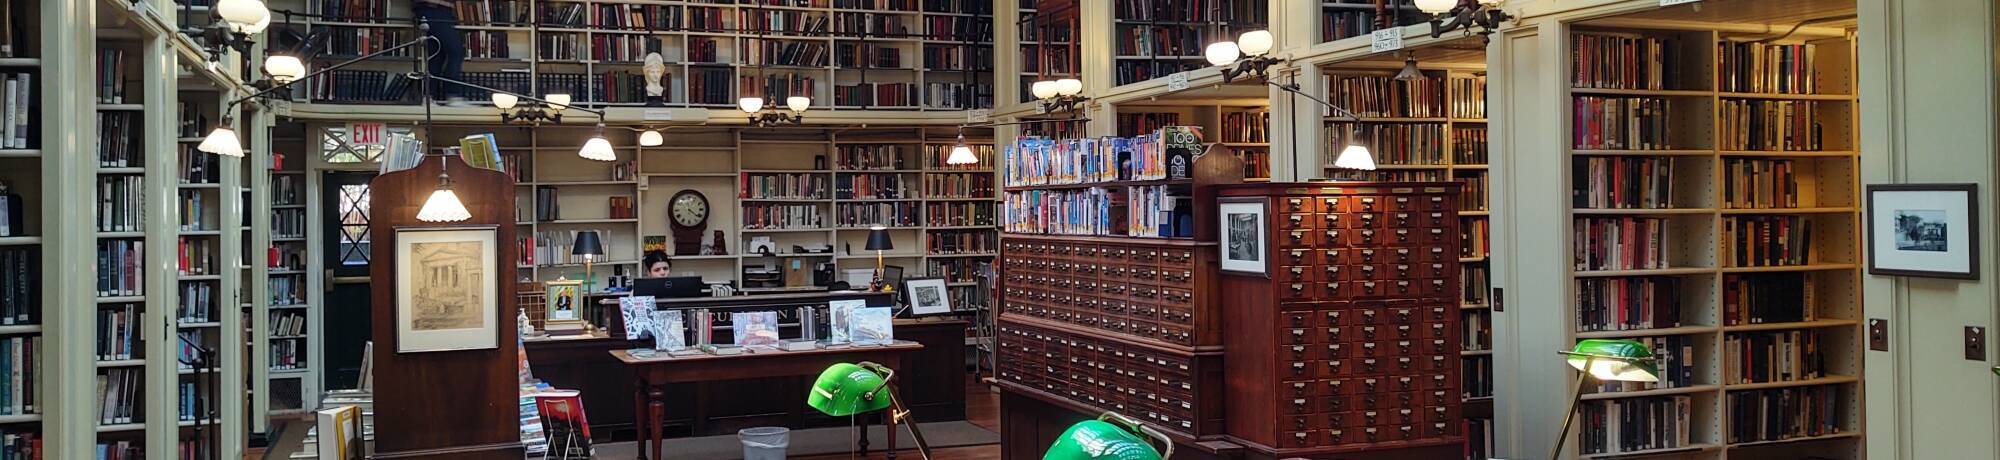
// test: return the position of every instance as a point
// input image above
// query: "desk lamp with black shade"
(878, 241)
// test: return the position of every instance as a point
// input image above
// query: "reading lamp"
(1620, 360)
(878, 241)
(846, 389)
(589, 246)
(1109, 436)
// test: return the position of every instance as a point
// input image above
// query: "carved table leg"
(656, 404)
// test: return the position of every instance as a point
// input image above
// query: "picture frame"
(447, 288)
(927, 296)
(1923, 230)
(1244, 226)
(565, 300)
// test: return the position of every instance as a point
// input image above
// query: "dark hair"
(654, 257)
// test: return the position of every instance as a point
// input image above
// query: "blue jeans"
(448, 54)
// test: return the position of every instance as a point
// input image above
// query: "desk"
(653, 373)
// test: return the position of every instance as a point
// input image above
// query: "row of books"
(1476, 285)
(956, 58)
(764, 216)
(1610, 61)
(856, 24)
(120, 450)
(958, 214)
(1624, 425)
(288, 223)
(561, 14)
(350, 10)
(711, 86)
(1772, 356)
(492, 12)
(636, 17)
(20, 285)
(119, 140)
(192, 119)
(1039, 161)
(119, 271)
(708, 19)
(360, 86)
(1337, 24)
(1199, 11)
(550, 247)
(864, 215)
(868, 156)
(1472, 236)
(117, 332)
(1475, 377)
(1476, 333)
(284, 323)
(1468, 145)
(948, 242)
(486, 44)
(1052, 60)
(1621, 123)
(958, 185)
(621, 207)
(119, 390)
(287, 256)
(1767, 241)
(111, 76)
(19, 95)
(1160, 41)
(1128, 71)
(784, 186)
(189, 354)
(1251, 126)
(197, 167)
(197, 302)
(1619, 182)
(1394, 143)
(787, 22)
(794, 53)
(548, 205)
(875, 95)
(1760, 183)
(1757, 124)
(20, 374)
(1674, 356)
(350, 42)
(193, 210)
(1785, 413)
(849, 55)
(287, 190)
(1256, 162)
(1468, 96)
(877, 5)
(1752, 67)
(1143, 211)
(1480, 443)
(288, 355)
(1628, 303)
(778, 86)
(870, 187)
(958, 29)
(1385, 96)
(287, 289)
(955, 270)
(1766, 298)
(1619, 243)
(1381, 176)
(1473, 197)
(945, 95)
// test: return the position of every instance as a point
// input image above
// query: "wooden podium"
(449, 405)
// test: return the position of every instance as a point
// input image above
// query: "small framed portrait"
(565, 297)
(1924, 230)
(447, 294)
(927, 296)
(1245, 235)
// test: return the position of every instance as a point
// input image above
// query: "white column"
(69, 169)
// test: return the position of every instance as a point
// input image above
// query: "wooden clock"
(688, 215)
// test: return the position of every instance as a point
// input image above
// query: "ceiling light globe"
(1255, 42)
(1435, 6)
(1222, 53)
(558, 101)
(256, 27)
(1069, 87)
(1492, 3)
(222, 141)
(242, 13)
(283, 68)
(1043, 89)
(750, 104)
(651, 138)
(505, 101)
(798, 103)
(597, 149)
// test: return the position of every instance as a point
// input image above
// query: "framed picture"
(447, 291)
(1245, 236)
(565, 297)
(927, 296)
(1926, 230)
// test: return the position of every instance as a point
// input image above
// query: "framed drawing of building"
(447, 294)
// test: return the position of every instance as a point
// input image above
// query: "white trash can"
(765, 442)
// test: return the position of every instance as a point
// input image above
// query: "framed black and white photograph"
(1245, 236)
(1924, 230)
(447, 291)
(927, 296)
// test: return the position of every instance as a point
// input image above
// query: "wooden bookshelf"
(1812, 182)
(1340, 19)
(544, 47)
(1049, 46)
(23, 254)
(1155, 38)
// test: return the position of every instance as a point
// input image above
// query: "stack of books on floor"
(363, 399)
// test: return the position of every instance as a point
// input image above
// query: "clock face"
(689, 209)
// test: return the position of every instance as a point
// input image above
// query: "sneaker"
(455, 101)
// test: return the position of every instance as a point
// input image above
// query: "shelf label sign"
(1676, 2)
(658, 115)
(978, 115)
(1177, 81)
(1389, 39)
(366, 133)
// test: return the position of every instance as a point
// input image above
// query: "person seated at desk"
(660, 283)
(658, 264)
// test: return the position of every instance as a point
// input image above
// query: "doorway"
(345, 315)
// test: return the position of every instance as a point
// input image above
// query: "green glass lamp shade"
(1614, 359)
(1098, 439)
(846, 389)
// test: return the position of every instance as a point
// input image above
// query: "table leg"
(640, 423)
(658, 406)
(889, 421)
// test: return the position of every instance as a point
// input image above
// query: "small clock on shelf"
(688, 214)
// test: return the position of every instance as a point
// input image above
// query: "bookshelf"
(845, 54)
(1742, 174)
(124, 170)
(1243, 126)
(292, 362)
(207, 247)
(1355, 18)
(22, 249)
(1049, 47)
(1154, 38)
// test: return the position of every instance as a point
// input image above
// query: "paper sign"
(1675, 2)
(1389, 39)
(366, 133)
(659, 115)
(978, 116)
(1177, 81)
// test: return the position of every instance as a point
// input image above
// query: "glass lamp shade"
(651, 138)
(222, 141)
(1222, 53)
(846, 389)
(504, 101)
(878, 239)
(798, 103)
(1255, 42)
(1410, 71)
(597, 149)
(443, 206)
(1435, 6)
(558, 101)
(587, 244)
(1492, 2)
(284, 69)
(242, 14)
(961, 155)
(1043, 89)
(1620, 360)
(1069, 87)
(256, 27)
(750, 104)
(1355, 156)
(1100, 440)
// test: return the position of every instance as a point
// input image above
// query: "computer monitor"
(669, 288)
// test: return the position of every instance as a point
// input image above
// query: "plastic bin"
(765, 442)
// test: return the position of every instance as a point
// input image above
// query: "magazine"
(755, 328)
(837, 313)
(669, 331)
(871, 326)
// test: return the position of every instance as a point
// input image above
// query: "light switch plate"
(1878, 334)
(1975, 343)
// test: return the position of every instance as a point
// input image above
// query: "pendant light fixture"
(597, 148)
(1410, 71)
(443, 205)
(1249, 55)
(284, 68)
(1356, 155)
(1464, 14)
(961, 154)
(222, 141)
(651, 138)
(754, 105)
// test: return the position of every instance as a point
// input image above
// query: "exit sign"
(366, 133)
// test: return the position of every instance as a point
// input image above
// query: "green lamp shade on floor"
(846, 389)
(1098, 439)
(1614, 360)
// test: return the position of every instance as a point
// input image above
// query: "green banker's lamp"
(1605, 359)
(846, 389)
(1111, 436)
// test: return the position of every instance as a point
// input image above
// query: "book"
(839, 314)
(1624, 61)
(637, 313)
(669, 330)
(340, 433)
(481, 151)
(871, 326)
(1615, 182)
(1628, 303)
(1785, 413)
(754, 328)
(1635, 424)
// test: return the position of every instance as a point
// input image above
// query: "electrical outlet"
(1975, 343)
(1499, 300)
(1878, 334)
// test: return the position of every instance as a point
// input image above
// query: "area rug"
(816, 441)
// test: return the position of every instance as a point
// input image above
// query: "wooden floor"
(982, 408)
